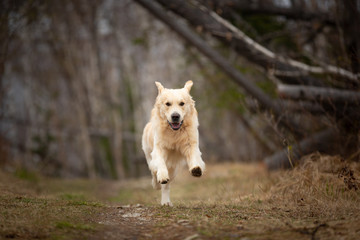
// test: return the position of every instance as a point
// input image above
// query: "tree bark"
(319, 94)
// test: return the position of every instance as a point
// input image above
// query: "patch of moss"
(268, 87)
(264, 24)
(284, 41)
(140, 41)
(43, 143)
(106, 146)
(231, 97)
(306, 60)
(27, 175)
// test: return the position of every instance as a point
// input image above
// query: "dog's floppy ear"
(188, 85)
(159, 86)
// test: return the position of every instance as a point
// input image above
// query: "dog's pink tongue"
(175, 125)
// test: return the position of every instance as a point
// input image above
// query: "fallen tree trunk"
(314, 143)
(291, 155)
(215, 57)
(319, 94)
(204, 19)
(222, 63)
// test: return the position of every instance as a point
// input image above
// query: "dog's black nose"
(175, 117)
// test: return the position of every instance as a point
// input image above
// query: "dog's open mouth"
(175, 125)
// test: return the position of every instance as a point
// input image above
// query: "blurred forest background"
(273, 80)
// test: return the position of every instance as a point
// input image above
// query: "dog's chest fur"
(174, 140)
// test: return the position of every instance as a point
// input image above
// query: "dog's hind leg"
(165, 195)
(165, 188)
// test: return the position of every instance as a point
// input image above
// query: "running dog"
(171, 138)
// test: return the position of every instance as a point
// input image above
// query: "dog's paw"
(196, 172)
(162, 177)
(164, 181)
(169, 204)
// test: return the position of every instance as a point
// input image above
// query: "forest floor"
(231, 201)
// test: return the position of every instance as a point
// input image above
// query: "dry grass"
(322, 186)
(318, 199)
(29, 211)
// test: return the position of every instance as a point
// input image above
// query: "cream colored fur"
(167, 149)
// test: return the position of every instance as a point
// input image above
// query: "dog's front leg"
(158, 166)
(195, 163)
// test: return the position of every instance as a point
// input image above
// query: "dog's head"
(174, 105)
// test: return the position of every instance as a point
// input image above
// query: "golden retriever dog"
(171, 138)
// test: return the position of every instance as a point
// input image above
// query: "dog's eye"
(168, 104)
(182, 104)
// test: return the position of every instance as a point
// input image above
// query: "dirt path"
(140, 222)
(230, 202)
